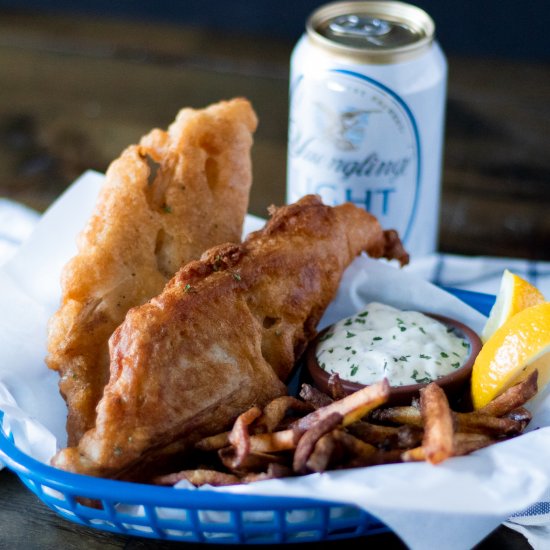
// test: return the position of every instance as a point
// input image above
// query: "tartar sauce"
(406, 347)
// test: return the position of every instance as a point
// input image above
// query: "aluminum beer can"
(367, 103)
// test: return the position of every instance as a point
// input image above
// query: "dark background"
(517, 29)
(82, 79)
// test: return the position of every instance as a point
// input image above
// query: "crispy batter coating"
(222, 336)
(164, 202)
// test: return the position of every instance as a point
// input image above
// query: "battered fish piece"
(164, 202)
(223, 336)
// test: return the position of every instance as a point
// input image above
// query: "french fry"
(239, 436)
(335, 386)
(418, 454)
(198, 477)
(398, 415)
(463, 444)
(272, 415)
(466, 443)
(471, 422)
(387, 437)
(355, 447)
(314, 397)
(513, 397)
(408, 437)
(283, 440)
(274, 471)
(437, 441)
(373, 433)
(477, 422)
(387, 457)
(467, 422)
(275, 411)
(521, 415)
(322, 454)
(213, 442)
(308, 440)
(352, 407)
(251, 462)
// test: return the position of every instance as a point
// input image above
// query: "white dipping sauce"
(406, 347)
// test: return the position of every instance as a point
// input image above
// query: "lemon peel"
(515, 294)
(514, 350)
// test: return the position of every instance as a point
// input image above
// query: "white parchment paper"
(452, 505)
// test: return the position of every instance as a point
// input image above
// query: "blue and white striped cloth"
(479, 274)
(534, 523)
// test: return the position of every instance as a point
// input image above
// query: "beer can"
(366, 122)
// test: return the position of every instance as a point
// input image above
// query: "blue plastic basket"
(194, 515)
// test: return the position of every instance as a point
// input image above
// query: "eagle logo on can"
(345, 129)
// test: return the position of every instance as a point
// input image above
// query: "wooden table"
(76, 91)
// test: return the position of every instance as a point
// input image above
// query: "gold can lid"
(376, 32)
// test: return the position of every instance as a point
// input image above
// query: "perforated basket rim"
(39, 478)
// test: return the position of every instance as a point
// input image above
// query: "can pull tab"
(360, 26)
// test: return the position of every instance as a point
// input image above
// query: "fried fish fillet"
(164, 202)
(222, 336)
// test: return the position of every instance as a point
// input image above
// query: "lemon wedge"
(514, 295)
(519, 346)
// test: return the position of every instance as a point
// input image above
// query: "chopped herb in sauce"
(384, 347)
(418, 379)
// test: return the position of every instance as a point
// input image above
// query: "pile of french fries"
(319, 432)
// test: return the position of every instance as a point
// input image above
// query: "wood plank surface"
(76, 91)
(75, 94)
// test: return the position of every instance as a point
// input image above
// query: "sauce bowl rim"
(462, 373)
